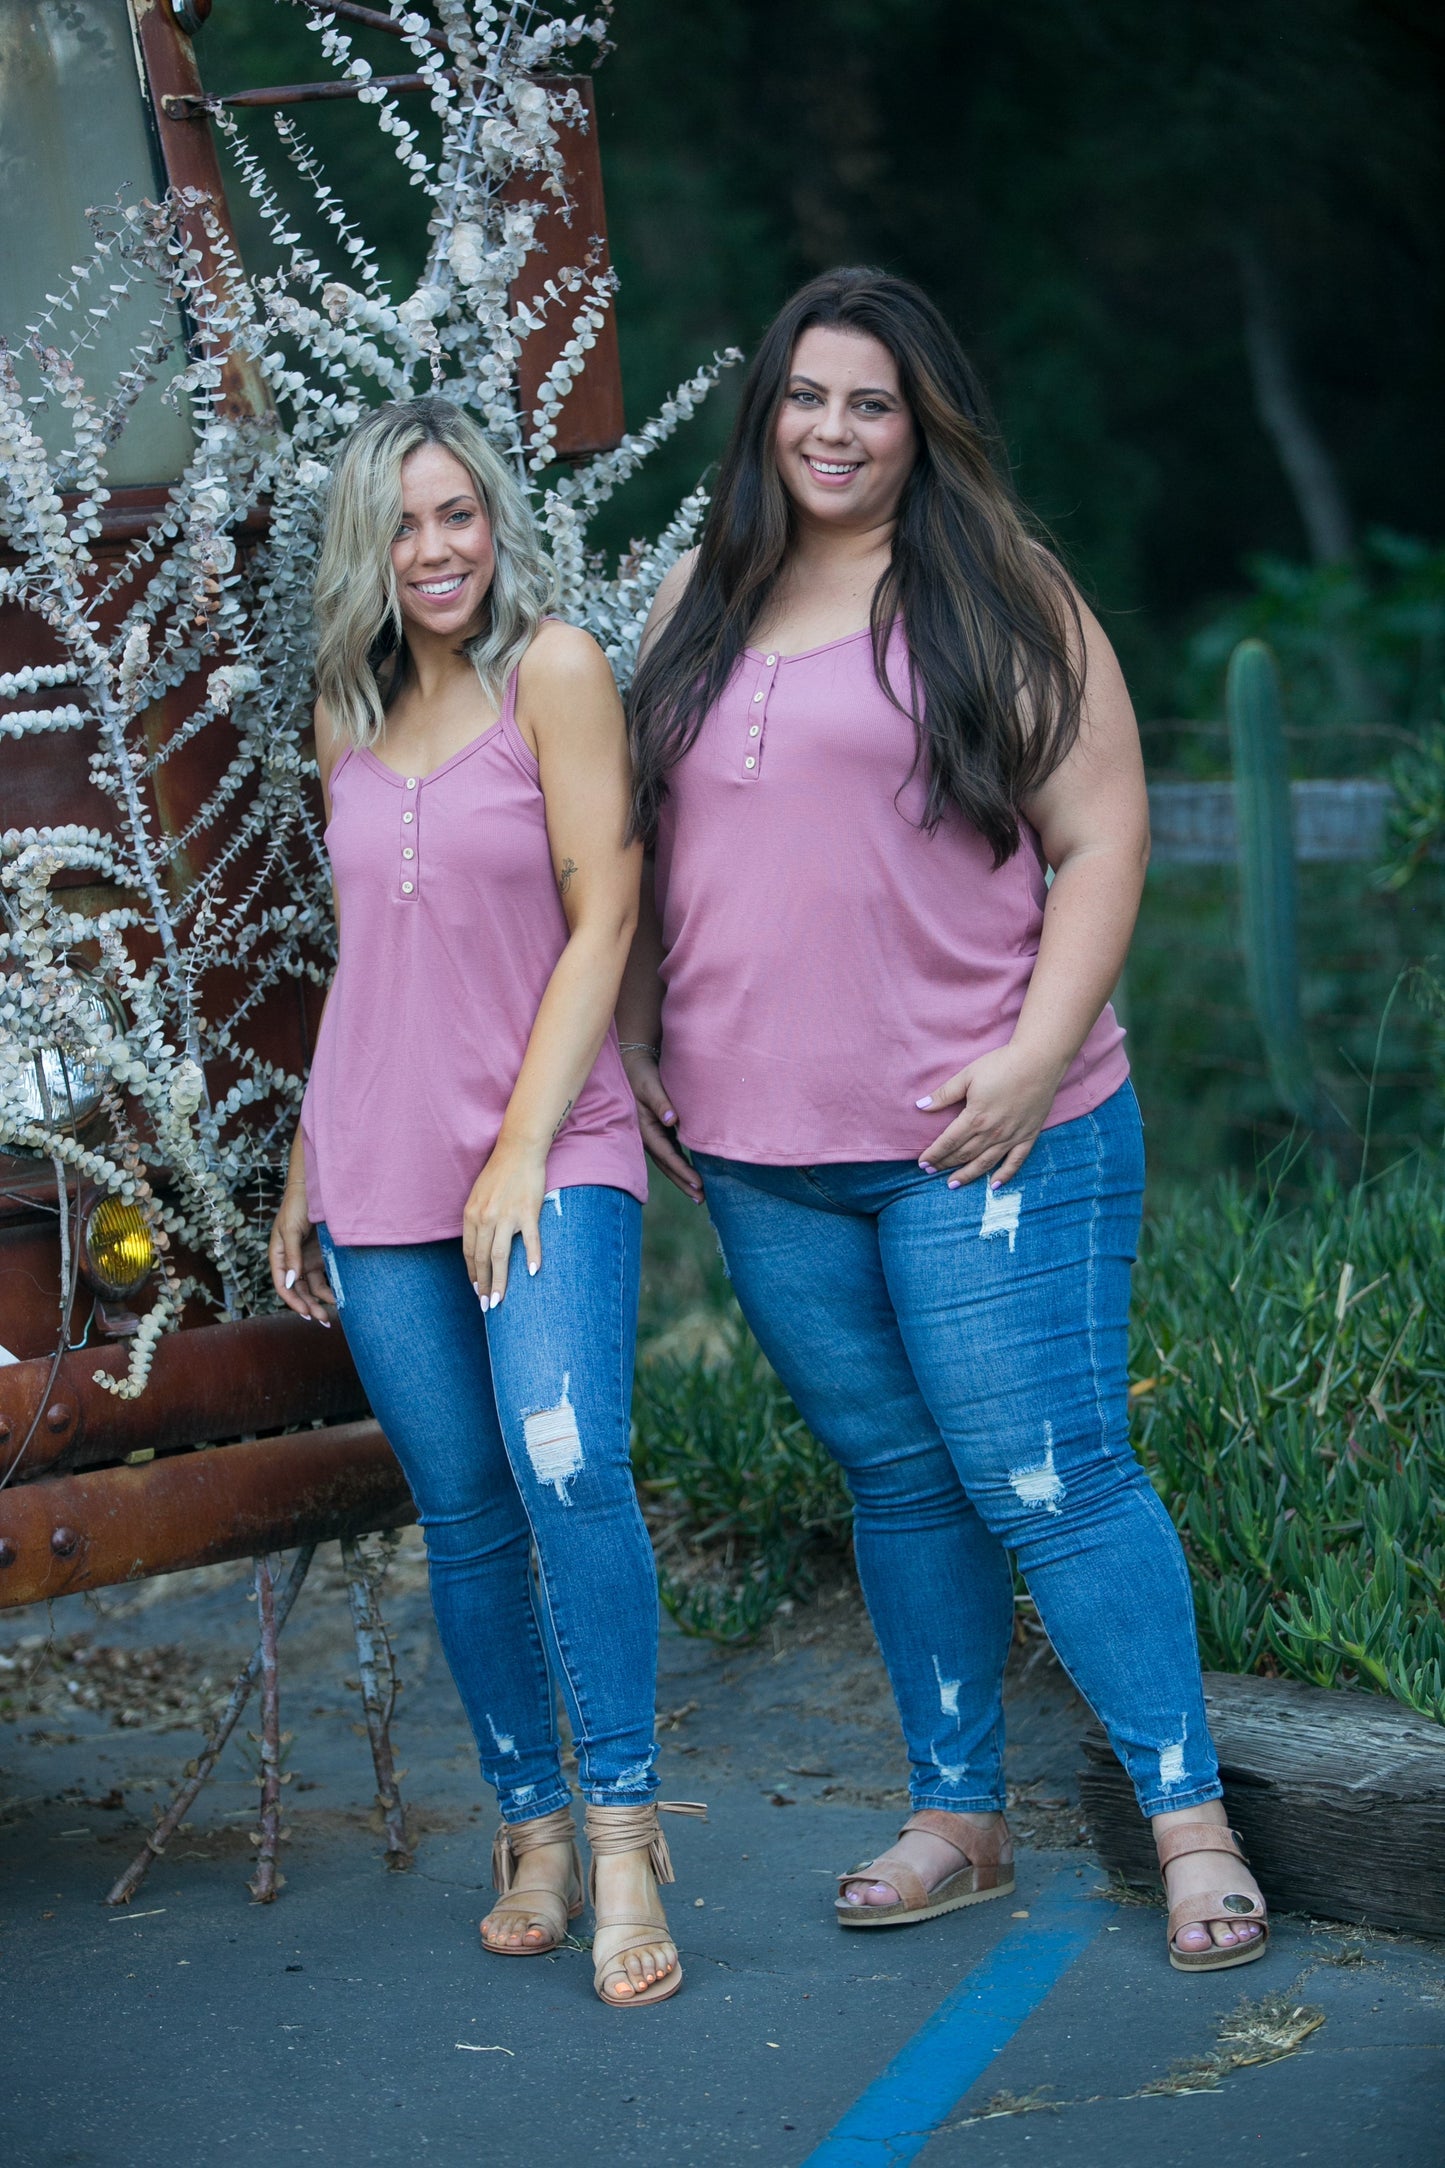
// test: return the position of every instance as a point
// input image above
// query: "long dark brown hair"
(994, 689)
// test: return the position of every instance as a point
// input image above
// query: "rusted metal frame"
(188, 106)
(65, 1534)
(188, 154)
(207, 1383)
(379, 1703)
(592, 418)
(369, 16)
(266, 1884)
(201, 1768)
(69, 1282)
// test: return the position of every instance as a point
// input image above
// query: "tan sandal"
(611, 1830)
(544, 1908)
(989, 1872)
(1231, 1909)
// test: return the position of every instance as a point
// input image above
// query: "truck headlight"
(62, 1086)
(116, 1250)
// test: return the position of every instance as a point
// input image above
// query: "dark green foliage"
(1290, 1408)
(1269, 906)
(1361, 645)
(1291, 1402)
(1417, 818)
(749, 1489)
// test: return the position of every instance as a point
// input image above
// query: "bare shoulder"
(564, 660)
(670, 590)
(330, 743)
(673, 584)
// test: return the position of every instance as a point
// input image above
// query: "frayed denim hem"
(1176, 1802)
(618, 1795)
(952, 1805)
(513, 1809)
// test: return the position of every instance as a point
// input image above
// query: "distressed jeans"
(513, 1429)
(962, 1354)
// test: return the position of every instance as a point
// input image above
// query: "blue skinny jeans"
(962, 1353)
(513, 1429)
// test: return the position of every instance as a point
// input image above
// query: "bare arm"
(1092, 816)
(639, 1007)
(568, 709)
(639, 1028)
(297, 1272)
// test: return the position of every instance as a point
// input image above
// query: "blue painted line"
(893, 2121)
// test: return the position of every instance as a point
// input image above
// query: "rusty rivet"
(63, 1542)
(8, 1552)
(59, 1416)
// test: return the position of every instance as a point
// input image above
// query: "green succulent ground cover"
(1289, 1402)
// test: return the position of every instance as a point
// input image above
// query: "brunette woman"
(871, 714)
(468, 1156)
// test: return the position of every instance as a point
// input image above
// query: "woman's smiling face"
(442, 553)
(845, 441)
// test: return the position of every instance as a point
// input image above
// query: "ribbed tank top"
(827, 960)
(451, 927)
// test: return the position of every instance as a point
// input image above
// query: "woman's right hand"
(658, 1122)
(298, 1272)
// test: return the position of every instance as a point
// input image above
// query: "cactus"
(1267, 885)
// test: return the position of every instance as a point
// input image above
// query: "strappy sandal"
(543, 1908)
(611, 1830)
(1231, 1909)
(988, 1874)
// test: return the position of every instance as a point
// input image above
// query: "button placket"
(757, 719)
(410, 868)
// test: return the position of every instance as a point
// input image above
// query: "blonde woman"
(466, 1184)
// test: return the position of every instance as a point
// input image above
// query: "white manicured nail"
(928, 1102)
(494, 1301)
(533, 1269)
(290, 1279)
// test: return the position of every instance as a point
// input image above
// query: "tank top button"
(406, 888)
(771, 660)
(411, 782)
(750, 762)
(757, 696)
(408, 852)
(408, 816)
(754, 729)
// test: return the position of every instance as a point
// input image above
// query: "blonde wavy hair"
(360, 638)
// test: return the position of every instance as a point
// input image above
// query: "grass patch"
(1290, 1408)
(1289, 1404)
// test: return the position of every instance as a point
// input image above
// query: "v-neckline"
(463, 752)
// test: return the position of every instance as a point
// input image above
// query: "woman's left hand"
(1006, 1097)
(506, 1201)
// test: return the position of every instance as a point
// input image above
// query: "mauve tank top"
(828, 961)
(451, 926)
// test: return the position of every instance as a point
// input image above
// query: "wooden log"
(1339, 1798)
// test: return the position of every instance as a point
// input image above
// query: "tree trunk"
(1308, 467)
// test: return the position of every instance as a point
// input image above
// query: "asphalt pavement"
(357, 2019)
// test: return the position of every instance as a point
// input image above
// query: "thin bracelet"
(639, 1046)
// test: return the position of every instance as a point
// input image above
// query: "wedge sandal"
(989, 1872)
(1230, 1908)
(543, 1908)
(610, 1831)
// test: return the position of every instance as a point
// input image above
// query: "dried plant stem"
(202, 1767)
(266, 1884)
(379, 1703)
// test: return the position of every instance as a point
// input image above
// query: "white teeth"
(439, 587)
(825, 466)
